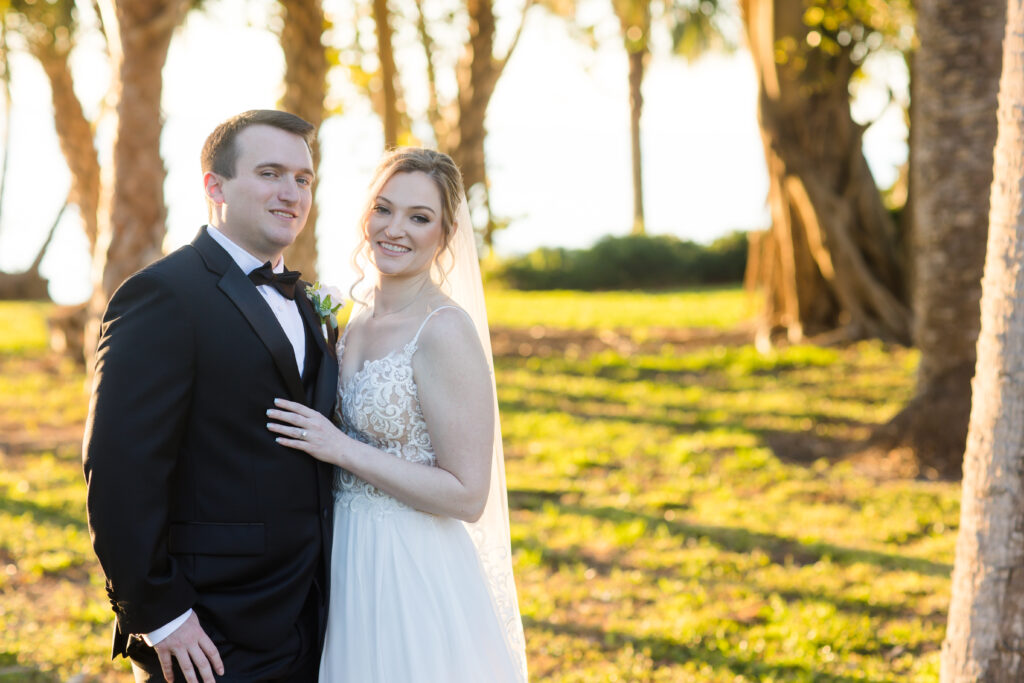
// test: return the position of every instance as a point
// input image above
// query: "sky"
(558, 145)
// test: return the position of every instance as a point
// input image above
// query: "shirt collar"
(246, 261)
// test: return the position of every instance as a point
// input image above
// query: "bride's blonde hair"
(438, 167)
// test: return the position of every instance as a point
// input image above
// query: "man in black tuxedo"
(215, 540)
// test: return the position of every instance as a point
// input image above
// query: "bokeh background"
(733, 280)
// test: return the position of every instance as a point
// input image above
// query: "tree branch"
(433, 106)
(500, 65)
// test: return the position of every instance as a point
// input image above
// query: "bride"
(421, 578)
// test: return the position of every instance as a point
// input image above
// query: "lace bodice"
(379, 405)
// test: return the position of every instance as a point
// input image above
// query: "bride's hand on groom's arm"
(196, 654)
(305, 429)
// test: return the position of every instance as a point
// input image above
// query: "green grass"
(676, 516)
(22, 326)
(711, 307)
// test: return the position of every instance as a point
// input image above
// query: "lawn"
(680, 510)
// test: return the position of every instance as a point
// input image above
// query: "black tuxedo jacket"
(191, 502)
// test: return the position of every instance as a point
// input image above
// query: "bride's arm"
(454, 386)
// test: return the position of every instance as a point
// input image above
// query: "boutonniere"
(327, 301)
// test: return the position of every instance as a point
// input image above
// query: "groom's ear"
(213, 185)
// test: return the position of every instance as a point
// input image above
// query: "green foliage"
(676, 516)
(634, 261)
(838, 30)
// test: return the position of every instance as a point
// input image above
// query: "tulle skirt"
(409, 600)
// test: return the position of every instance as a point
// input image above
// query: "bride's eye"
(381, 209)
(420, 218)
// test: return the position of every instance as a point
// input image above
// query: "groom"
(214, 539)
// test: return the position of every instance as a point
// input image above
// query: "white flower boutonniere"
(327, 301)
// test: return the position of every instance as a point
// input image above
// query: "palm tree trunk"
(477, 75)
(305, 79)
(74, 133)
(388, 72)
(637, 65)
(133, 214)
(5, 83)
(985, 632)
(834, 244)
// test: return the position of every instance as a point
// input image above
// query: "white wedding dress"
(410, 600)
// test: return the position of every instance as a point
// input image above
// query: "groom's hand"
(194, 651)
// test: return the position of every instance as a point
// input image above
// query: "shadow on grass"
(780, 549)
(555, 560)
(668, 650)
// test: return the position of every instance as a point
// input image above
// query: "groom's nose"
(288, 190)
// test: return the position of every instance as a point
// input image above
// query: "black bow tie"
(282, 282)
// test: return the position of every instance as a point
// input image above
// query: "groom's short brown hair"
(220, 152)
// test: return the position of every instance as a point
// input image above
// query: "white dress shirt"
(287, 314)
(285, 310)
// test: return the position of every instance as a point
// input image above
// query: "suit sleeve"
(140, 401)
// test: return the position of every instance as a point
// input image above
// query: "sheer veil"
(491, 532)
(462, 282)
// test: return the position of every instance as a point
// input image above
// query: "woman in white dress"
(421, 577)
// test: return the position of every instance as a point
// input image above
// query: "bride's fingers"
(287, 416)
(294, 407)
(293, 443)
(286, 430)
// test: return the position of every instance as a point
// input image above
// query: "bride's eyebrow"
(422, 207)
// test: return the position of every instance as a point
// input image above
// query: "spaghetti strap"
(429, 316)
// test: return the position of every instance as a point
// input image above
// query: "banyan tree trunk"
(831, 259)
(305, 79)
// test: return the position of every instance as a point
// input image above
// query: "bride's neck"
(393, 295)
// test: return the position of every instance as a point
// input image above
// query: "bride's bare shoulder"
(449, 333)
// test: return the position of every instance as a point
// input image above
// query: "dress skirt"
(409, 599)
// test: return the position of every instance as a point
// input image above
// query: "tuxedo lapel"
(327, 377)
(240, 290)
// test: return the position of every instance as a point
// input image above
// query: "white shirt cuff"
(156, 636)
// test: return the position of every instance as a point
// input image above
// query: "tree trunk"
(305, 79)
(388, 72)
(985, 633)
(637, 65)
(132, 214)
(74, 132)
(5, 84)
(837, 260)
(956, 79)
(477, 74)
(30, 285)
(459, 127)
